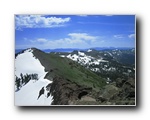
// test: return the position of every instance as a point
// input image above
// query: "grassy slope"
(70, 70)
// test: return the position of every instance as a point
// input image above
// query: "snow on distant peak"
(81, 53)
(62, 55)
(89, 50)
(95, 69)
(73, 57)
(26, 63)
(84, 59)
(110, 54)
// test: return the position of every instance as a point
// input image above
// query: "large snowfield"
(84, 59)
(26, 63)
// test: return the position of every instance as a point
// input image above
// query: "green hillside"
(69, 70)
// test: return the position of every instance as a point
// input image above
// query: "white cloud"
(39, 40)
(118, 36)
(38, 21)
(42, 40)
(132, 36)
(83, 36)
(73, 40)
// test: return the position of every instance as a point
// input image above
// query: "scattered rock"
(88, 98)
(41, 92)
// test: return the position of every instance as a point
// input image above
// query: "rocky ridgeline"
(65, 92)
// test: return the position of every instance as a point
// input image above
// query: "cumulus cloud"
(83, 36)
(42, 40)
(118, 36)
(132, 36)
(73, 40)
(39, 40)
(38, 21)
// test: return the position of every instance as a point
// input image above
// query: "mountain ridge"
(73, 84)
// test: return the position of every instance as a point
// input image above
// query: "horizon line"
(71, 48)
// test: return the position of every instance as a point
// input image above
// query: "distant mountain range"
(110, 63)
(72, 49)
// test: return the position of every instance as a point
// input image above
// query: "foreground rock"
(65, 92)
(122, 95)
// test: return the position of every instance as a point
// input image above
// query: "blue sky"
(74, 31)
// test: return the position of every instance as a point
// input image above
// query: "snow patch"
(89, 50)
(28, 94)
(95, 69)
(69, 56)
(110, 54)
(75, 57)
(62, 55)
(112, 69)
(84, 59)
(26, 63)
(96, 62)
(81, 53)
(101, 60)
(129, 71)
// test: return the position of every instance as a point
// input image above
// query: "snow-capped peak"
(89, 50)
(81, 53)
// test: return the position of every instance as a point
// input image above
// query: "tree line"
(24, 79)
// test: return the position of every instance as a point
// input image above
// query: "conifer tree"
(17, 83)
